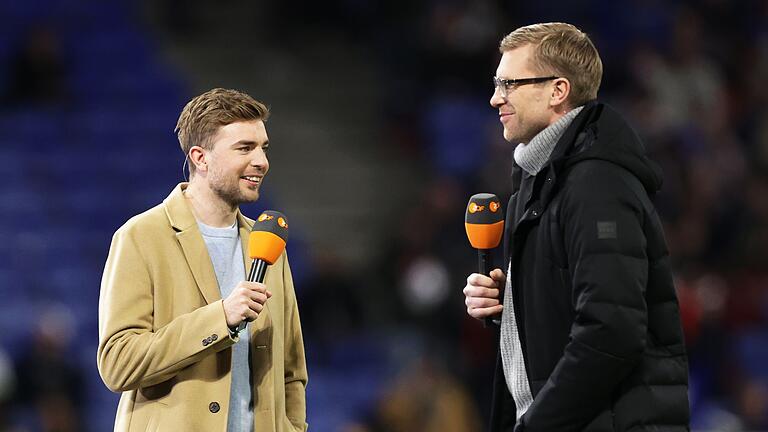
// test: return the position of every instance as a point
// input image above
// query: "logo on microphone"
(266, 217)
(282, 223)
(494, 206)
(474, 208)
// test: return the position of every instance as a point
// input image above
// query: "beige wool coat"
(163, 337)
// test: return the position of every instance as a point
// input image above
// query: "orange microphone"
(265, 245)
(484, 222)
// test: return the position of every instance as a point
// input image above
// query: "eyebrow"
(249, 143)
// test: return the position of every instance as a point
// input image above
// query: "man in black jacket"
(590, 336)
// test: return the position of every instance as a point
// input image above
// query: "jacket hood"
(600, 132)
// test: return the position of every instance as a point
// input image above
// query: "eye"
(265, 148)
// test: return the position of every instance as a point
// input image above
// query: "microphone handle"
(258, 270)
(484, 268)
(484, 261)
(257, 273)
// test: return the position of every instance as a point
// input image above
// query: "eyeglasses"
(505, 85)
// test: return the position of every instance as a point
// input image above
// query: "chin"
(250, 196)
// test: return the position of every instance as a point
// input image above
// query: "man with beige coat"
(174, 294)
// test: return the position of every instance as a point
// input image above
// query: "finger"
(477, 279)
(498, 275)
(257, 297)
(255, 307)
(254, 286)
(269, 293)
(476, 291)
(250, 315)
(481, 313)
(481, 302)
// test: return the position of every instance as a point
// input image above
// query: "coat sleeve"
(131, 353)
(602, 222)
(295, 362)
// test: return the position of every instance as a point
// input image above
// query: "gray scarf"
(533, 156)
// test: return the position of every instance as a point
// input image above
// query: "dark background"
(380, 131)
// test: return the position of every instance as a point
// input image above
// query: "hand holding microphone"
(265, 245)
(483, 293)
(245, 303)
(484, 222)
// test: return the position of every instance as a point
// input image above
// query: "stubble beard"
(523, 133)
(230, 193)
(516, 134)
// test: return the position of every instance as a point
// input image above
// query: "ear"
(197, 158)
(560, 92)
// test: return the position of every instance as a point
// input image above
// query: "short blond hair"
(565, 51)
(202, 117)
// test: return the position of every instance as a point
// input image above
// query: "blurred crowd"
(689, 75)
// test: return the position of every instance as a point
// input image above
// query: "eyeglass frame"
(506, 84)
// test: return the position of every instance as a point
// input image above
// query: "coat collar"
(180, 215)
(183, 221)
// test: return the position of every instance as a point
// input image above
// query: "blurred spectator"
(331, 305)
(425, 398)
(753, 403)
(7, 385)
(37, 69)
(48, 380)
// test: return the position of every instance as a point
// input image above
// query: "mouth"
(504, 116)
(252, 181)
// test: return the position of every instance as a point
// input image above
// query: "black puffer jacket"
(592, 286)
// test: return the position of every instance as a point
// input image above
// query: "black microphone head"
(268, 236)
(484, 221)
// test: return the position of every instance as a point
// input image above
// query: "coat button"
(205, 342)
(214, 407)
(214, 337)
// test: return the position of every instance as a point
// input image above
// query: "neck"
(558, 112)
(207, 206)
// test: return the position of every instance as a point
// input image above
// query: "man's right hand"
(482, 294)
(245, 302)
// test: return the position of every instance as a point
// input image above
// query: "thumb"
(497, 275)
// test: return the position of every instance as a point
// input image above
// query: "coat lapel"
(196, 253)
(245, 226)
(200, 263)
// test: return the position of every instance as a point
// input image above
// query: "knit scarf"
(533, 156)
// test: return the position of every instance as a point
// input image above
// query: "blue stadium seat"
(752, 353)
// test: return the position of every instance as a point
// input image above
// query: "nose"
(259, 160)
(497, 99)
